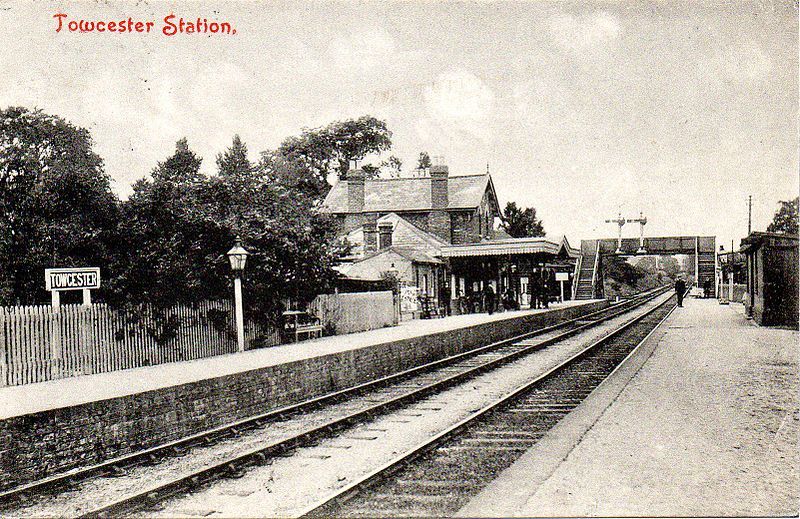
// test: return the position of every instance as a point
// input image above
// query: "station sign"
(562, 276)
(78, 278)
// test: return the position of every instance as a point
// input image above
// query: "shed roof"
(757, 239)
(554, 246)
(411, 194)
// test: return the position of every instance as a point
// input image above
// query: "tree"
(423, 163)
(234, 162)
(521, 223)
(786, 218)
(307, 161)
(171, 253)
(179, 226)
(56, 204)
(394, 166)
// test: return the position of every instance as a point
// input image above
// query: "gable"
(405, 235)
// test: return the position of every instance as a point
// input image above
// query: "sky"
(581, 110)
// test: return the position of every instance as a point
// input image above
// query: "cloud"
(363, 49)
(741, 63)
(588, 33)
(459, 96)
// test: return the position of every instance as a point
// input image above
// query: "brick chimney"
(439, 174)
(370, 227)
(355, 190)
(439, 219)
(385, 235)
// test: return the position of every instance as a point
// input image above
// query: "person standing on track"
(680, 289)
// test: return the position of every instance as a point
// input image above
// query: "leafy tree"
(234, 162)
(307, 161)
(180, 226)
(56, 204)
(171, 249)
(423, 162)
(355, 139)
(394, 166)
(786, 218)
(521, 223)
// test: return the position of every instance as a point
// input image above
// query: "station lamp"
(238, 257)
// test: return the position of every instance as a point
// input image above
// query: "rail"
(257, 456)
(336, 505)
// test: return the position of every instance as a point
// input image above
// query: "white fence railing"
(355, 312)
(38, 343)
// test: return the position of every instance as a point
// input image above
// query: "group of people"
(539, 284)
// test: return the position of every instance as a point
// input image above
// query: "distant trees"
(521, 223)
(306, 161)
(56, 204)
(423, 163)
(786, 218)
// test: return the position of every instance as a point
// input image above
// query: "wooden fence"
(355, 312)
(38, 343)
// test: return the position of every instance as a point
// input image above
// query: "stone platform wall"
(37, 445)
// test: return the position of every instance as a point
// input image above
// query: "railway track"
(439, 476)
(249, 448)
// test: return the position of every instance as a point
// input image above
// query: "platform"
(67, 392)
(57, 426)
(703, 421)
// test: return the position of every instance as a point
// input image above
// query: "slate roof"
(409, 194)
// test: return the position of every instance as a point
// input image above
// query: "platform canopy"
(556, 246)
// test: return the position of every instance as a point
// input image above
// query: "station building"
(438, 233)
(772, 284)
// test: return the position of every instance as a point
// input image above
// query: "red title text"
(171, 25)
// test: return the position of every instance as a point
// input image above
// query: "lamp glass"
(238, 257)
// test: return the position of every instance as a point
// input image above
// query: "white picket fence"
(355, 312)
(38, 343)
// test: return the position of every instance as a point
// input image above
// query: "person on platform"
(533, 289)
(706, 289)
(545, 290)
(510, 300)
(444, 300)
(680, 290)
(488, 298)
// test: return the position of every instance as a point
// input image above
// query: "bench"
(299, 323)
(314, 331)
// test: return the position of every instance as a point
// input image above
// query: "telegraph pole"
(749, 214)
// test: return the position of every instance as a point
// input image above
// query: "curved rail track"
(439, 476)
(369, 399)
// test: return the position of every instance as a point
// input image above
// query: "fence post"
(55, 337)
(3, 349)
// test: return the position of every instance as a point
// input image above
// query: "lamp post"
(238, 257)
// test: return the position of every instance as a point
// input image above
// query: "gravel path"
(708, 427)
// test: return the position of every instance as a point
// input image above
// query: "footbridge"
(588, 270)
